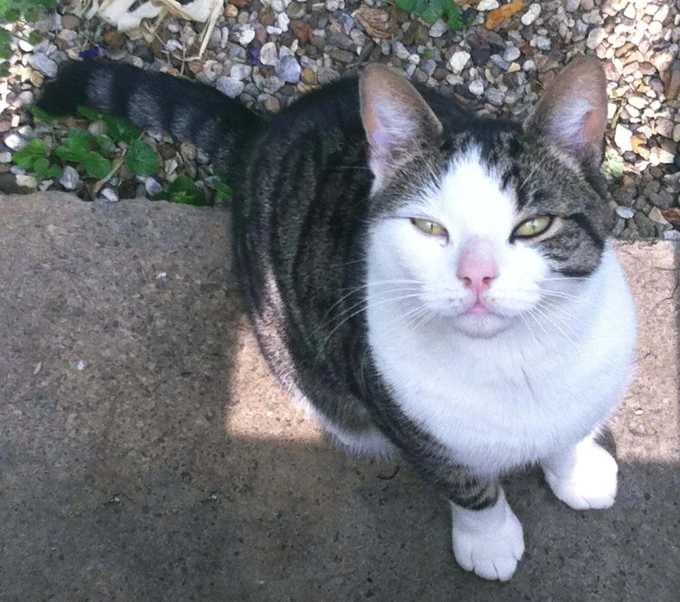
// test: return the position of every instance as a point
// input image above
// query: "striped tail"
(156, 102)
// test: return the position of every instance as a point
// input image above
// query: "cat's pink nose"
(477, 265)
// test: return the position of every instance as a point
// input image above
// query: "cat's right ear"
(572, 115)
(397, 120)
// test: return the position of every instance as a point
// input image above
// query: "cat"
(425, 281)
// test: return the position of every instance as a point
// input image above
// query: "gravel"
(70, 178)
(43, 64)
(15, 142)
(267, 53)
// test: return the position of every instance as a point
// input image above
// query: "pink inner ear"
(381, 139)
(592, 127)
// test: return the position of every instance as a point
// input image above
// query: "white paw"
(488, 542)
(584, 478)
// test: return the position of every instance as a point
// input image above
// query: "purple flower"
(253, 57)
(90, 53)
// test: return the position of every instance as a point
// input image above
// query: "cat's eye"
(429, 227)
(532, 227)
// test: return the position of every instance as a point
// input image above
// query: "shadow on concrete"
(269, 522)
(169, 467)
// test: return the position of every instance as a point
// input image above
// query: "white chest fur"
(514, 398)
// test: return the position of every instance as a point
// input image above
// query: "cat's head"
(485, 222)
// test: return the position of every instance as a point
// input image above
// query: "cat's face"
(468, 248)
(494, 226)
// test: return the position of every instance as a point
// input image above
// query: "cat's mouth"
(477, 309)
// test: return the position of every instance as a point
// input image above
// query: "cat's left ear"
(397, 120)
(572, 114)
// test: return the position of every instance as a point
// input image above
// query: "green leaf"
(24, 158)
(613, 163)
(432, 11)
(36, 146)
(105, 144)
(66, 154)
(11, 15)
(31, 15)
(41, 115)
(44, 170)
(408, 5)
(96, 165)
(454, 21)
(27, 155)
(76, 146)
(121, 130)
(182, 190)
(140, 159)
(420, 6)
(89, 113)
(78, 139)
(222, 190)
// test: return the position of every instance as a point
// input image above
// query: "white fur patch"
(503, 390)
(373, 443)
(583, 477)
(488, 542)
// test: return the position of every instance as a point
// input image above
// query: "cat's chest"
(496, 412)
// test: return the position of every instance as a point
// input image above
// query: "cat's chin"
(481, 325)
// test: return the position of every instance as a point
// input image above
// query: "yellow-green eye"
(428, 227)
(532, 227)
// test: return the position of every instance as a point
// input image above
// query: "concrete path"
(146, 455)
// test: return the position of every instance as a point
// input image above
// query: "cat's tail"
(154, 102)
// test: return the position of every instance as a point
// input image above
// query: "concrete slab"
(145, 453)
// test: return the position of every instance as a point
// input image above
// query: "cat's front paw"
(488, 542)
(583, 478)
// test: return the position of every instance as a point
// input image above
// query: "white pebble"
(622, 138)
(542, 43)
(625, 212)
(15, 142)
(45, 65)
(239, 72)
(511, 54)
(230, 86)
(269, 55)
(486, 5)
(476, 87)
(152, 186)
(70, 178)
(458, 61)
(400, 51)
(532, 14)
(110, 195)
(246, 36)
(596, 37)
(283, 20)
(438, 28)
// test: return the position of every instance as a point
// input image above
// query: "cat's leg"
(487, 537)
(583, 476)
